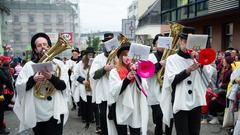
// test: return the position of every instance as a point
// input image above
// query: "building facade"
(219, 19)
(28, 17)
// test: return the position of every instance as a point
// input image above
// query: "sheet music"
(197, 41)
(40, 66)
(139, 51)
(111, 44)
(164, 42)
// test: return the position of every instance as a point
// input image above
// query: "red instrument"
(206, 56)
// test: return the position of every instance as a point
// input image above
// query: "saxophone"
(175, 30)
(48, 56)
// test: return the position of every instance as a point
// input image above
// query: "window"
(59, 19)
(208, 30)
(166, 17)
(228, 35)
(182, 13)
(173, 15)
(165, 5)
(202, 8)
(182, 2)
(191, 11)
(47, 19)
(31, 19)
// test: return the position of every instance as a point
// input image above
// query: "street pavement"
(74, 126)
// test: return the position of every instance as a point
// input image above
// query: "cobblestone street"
(74, 126)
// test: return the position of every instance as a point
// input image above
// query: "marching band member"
(183, 91)
(83, 89)
(99, 82)
(129, 105)
(154, 91)
(45, 116)
(70, 64)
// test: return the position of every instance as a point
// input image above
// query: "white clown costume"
(30, 109)
(131, 104)
(183, 100)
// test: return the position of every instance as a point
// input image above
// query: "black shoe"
(87, 126)
(98, 131)
(4, 131)
(73, 108)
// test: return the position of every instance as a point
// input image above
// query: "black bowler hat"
(107, 36)
(34, 38)
(186, 31)
(75, 50)
(89, 50)
(125, 46)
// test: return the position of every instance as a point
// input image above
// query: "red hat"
(5, 58)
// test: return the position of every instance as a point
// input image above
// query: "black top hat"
(37, 36)
(75, 50)
(89, 50)
(125, 46)
(186, 31)
(107, 36)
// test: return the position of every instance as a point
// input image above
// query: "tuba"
(123, 39)
(56, 49)
(112, 56)
(175, 30)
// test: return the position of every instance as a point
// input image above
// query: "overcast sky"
(102, 15)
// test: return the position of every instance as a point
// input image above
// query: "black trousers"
(188, 122)
(2, 125)
(103, 117)
(215, 107)
(3, 106)
(49, 127)
(122, 129)
(88, 110)
(96, 114)
(157, 120)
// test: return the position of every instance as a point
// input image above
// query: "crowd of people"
(110, 93)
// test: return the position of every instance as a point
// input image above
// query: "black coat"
(5, 79)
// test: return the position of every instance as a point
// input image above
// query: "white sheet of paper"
(40, 66)
(111, 44)
(139, 51)
(164, 42)
(197, 41)
(90, 61)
